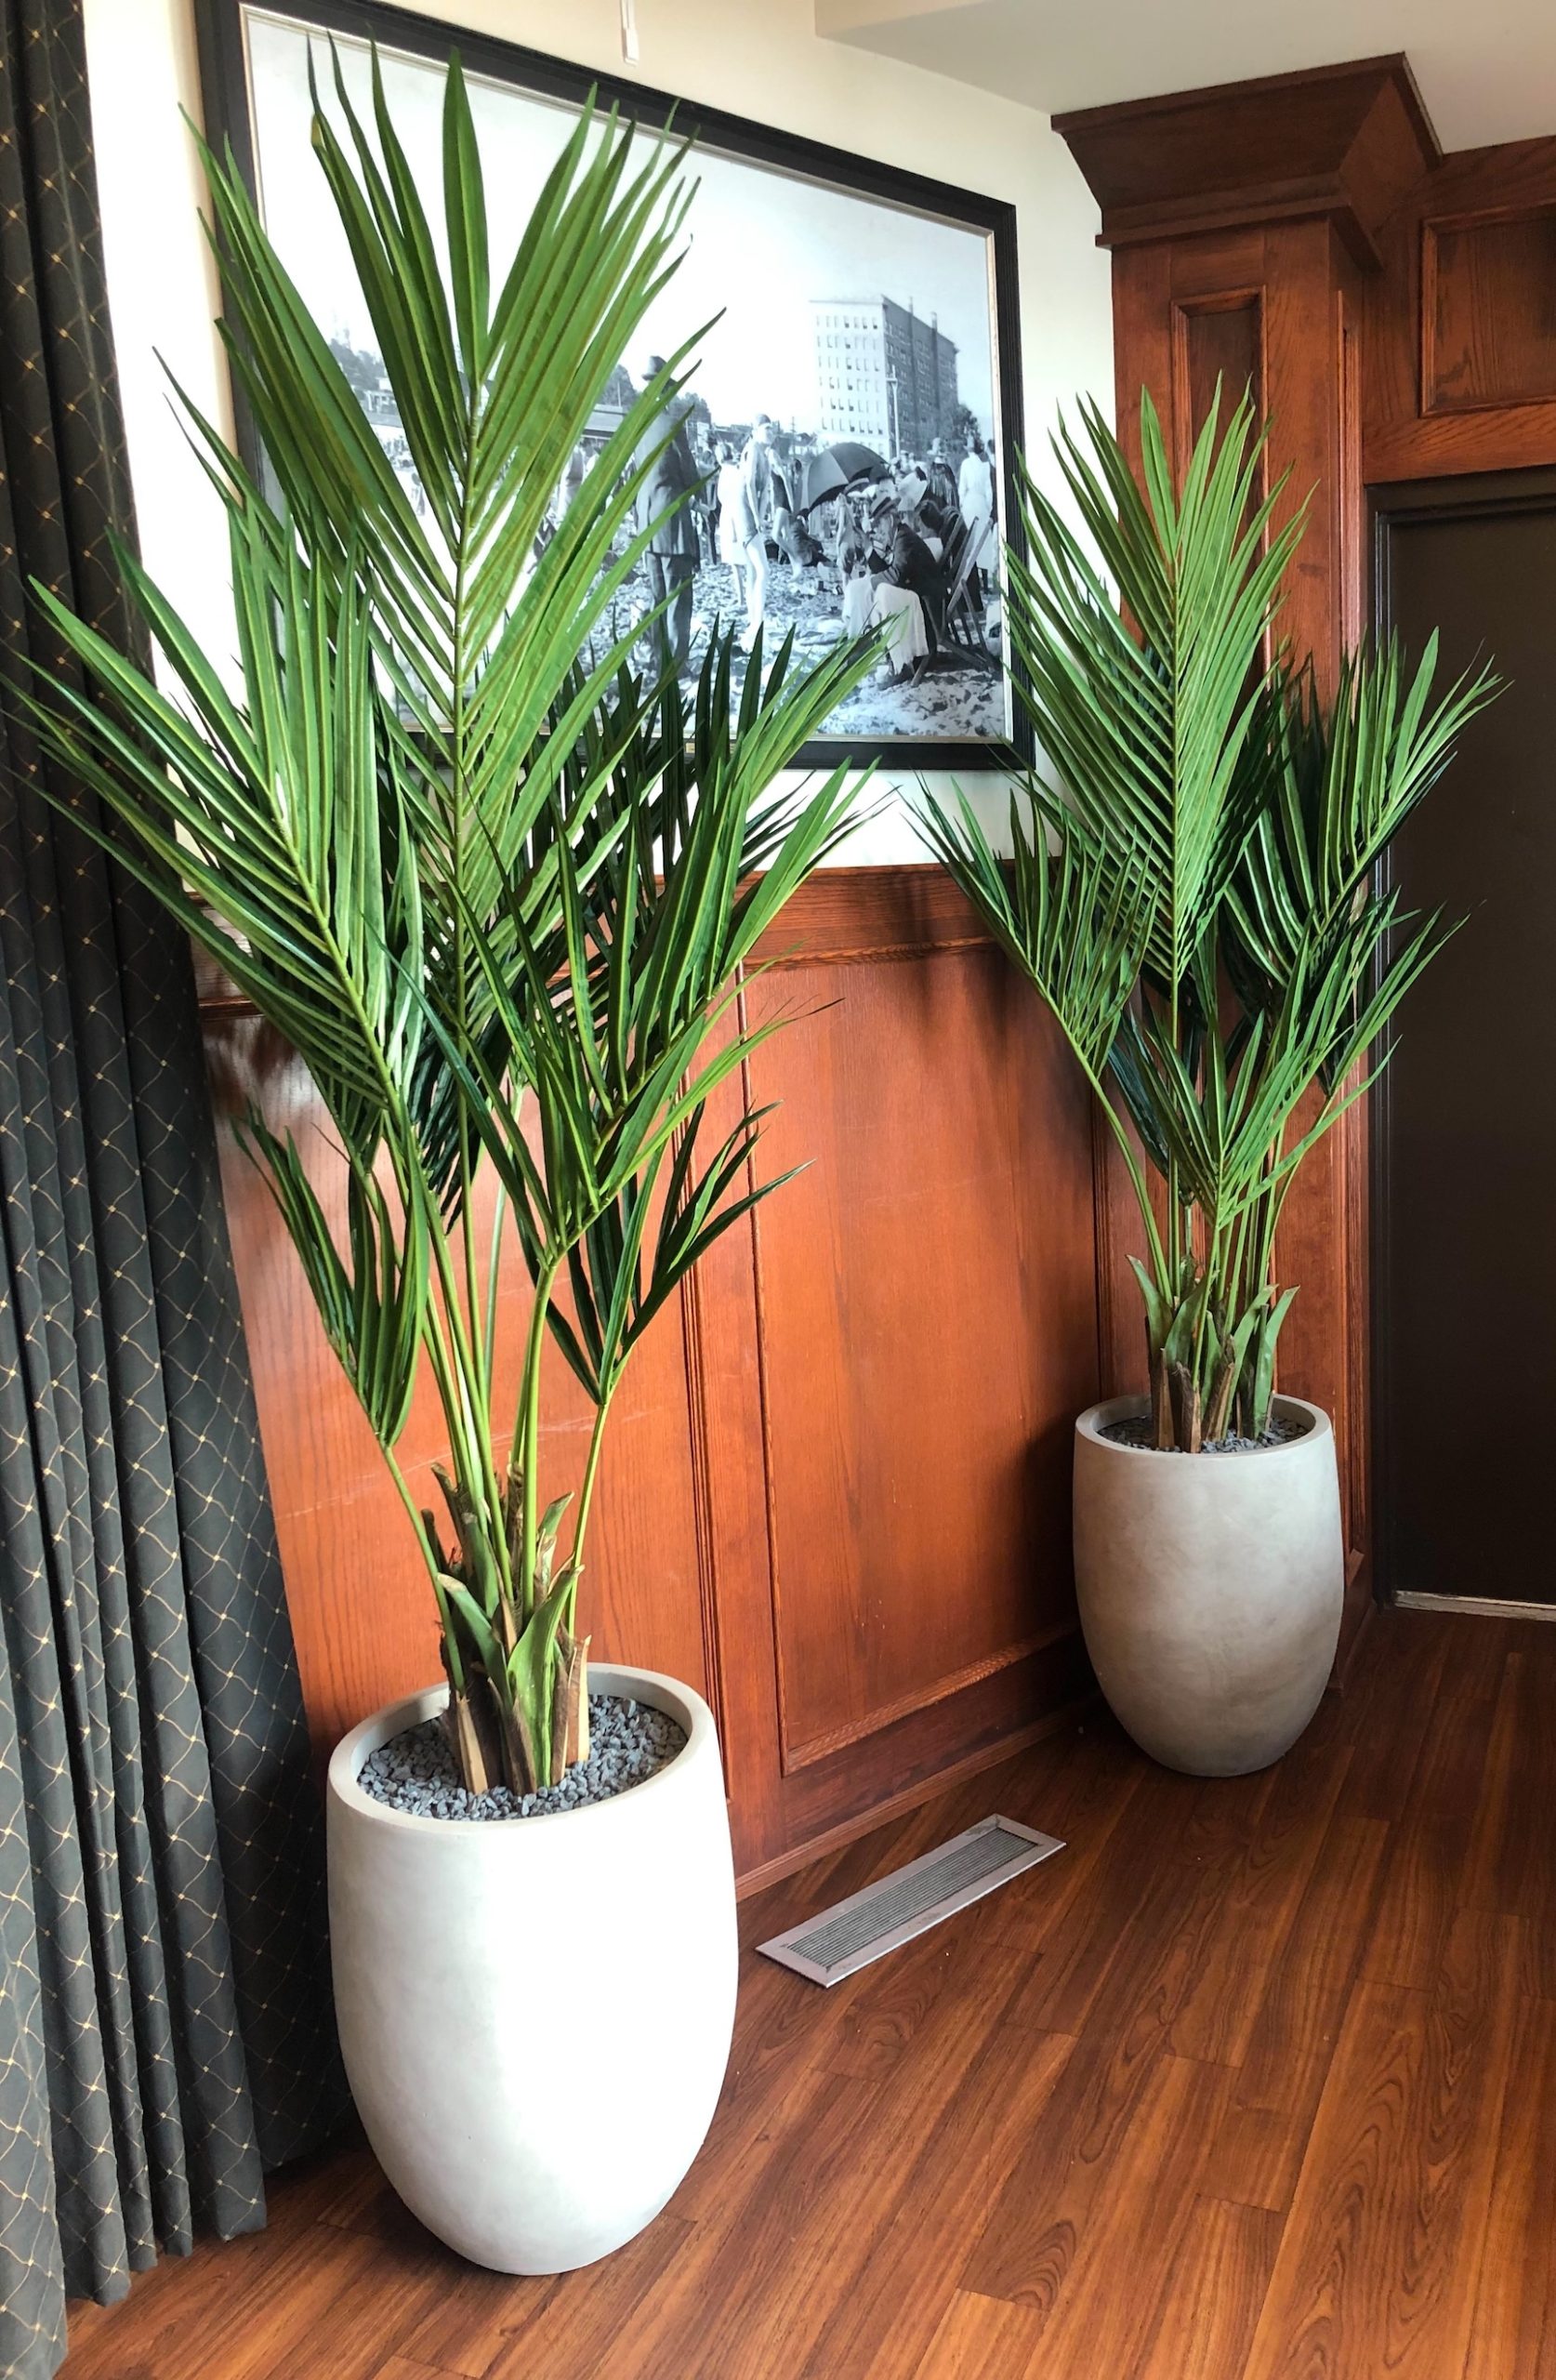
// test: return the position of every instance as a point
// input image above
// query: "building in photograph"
(885, 374)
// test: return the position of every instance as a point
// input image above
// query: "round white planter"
(536, 2013)
(1211, 1588)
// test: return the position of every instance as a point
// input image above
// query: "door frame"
(1392, 505)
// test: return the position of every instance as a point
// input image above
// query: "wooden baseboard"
(912, 1797)
(1476, 1606)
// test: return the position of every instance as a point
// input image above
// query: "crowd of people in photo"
(900, 546)
(891, 547)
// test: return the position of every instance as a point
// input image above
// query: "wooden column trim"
(1341, 143)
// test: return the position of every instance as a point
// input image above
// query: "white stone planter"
(536, 2013)
(1211, 1588)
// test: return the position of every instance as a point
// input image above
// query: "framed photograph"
(847, 427)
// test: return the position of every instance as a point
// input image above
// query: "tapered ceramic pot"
(1211, 1588)
(535, 2013)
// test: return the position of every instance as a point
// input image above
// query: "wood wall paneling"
(1488, 309)
(1459, 365)
(1218, 345)
(835, 1491)
(927, 1316)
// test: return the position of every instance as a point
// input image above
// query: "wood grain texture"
(835, 1495)
(1159, 2110)
(1282, 2072)
(978, 2336)
(1487, 333)
(1514, 2326)
(939, 1263)
(1460, 361)
(1211, 2293)
(1218, 355)
(1330, 143)
(1381, 2254)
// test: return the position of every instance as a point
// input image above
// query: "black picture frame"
(224, 85)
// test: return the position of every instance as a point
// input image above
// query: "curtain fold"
(165, 2025)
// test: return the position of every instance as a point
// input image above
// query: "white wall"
(757, 58)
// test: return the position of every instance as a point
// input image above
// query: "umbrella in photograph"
(836, 467)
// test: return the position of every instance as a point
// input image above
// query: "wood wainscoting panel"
(1459, 365)
(1217, 344)
(1488, 309)
(928, 1320)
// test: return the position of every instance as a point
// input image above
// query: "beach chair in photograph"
(966, 632)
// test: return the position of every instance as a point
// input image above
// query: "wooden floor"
(1257, 2079)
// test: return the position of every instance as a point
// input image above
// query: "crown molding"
(1344, 143)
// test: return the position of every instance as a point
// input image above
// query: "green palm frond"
(1347, 776)
(498, 890)
(370, 1300)
(1142, 642)
(1191, 878)
(277, 829)
(1075, 921)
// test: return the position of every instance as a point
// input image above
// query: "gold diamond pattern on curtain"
(164, 2029)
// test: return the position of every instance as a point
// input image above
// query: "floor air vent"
(891, 1912)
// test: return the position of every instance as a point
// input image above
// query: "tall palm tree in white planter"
(1195, 892)
(495, 886)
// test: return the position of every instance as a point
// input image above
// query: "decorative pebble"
(628, 1743)
(1136, 1432)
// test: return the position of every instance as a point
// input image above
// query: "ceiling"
(1486, 68)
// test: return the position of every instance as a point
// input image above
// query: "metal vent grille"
(896, 1908)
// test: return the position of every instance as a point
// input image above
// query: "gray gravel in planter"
(416, 1771)
(1136, 1432)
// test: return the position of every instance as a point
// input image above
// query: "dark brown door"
(1464, 1227)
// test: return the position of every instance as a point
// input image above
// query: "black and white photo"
(839, 463)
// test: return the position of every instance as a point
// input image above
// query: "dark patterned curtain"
(164, 2002)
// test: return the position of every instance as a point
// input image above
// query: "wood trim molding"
(811, 1749)
(1414, 426)
(1188, 311)
(843, 914)
(1480, 1606)
(1341, 142)
(1458, 444)
(1434, 399)
(912, 1797)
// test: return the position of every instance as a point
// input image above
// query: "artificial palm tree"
(1194, 886)
(490, 881)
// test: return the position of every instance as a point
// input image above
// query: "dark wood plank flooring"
(1255, 2082)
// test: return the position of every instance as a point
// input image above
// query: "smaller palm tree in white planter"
(496, 880)
(1195, 892)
